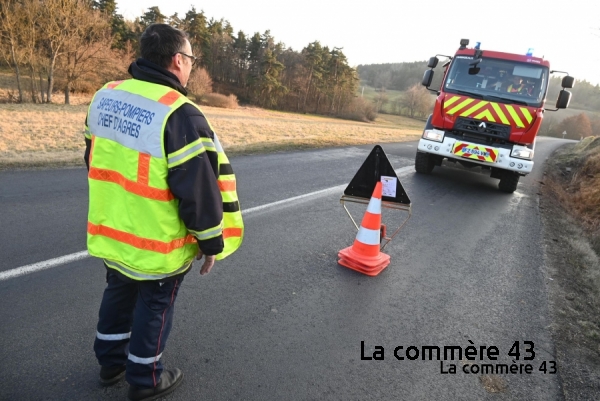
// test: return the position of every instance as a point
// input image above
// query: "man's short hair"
(160, 42)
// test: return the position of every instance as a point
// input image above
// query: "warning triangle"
(371, 172)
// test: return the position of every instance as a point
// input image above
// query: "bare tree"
(381, 99)
(31, 11)
(10, 26)
(416, 100)
(200, 82)
(86, 46)
(57, 24)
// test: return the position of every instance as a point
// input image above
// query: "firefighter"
(161, 193)
(517, 85)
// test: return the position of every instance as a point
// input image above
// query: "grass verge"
(51, 135)
(571, 213)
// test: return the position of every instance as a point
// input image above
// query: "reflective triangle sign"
(377, 168)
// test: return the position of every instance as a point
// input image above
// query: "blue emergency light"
(477, 45)
(530, 51)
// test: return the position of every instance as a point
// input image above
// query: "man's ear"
(177, 62)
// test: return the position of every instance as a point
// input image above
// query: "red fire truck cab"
(488, 112)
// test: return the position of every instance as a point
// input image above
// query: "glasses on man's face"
(194, 58)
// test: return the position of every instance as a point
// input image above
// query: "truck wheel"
(508, 182)
(424, 163)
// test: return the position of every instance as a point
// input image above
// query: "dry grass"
(218, 100)
(574, 180)
(579, 186)
(52, 134)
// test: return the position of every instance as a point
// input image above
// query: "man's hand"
(209, 261)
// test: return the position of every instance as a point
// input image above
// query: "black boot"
(110, 376)
(169, 380)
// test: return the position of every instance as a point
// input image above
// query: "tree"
(194, 23)
(577, 127)
(88, 46)
(416, 100)
(55, 23)
(200, 82)
(10, 42)
(32, 12)
(381, 100)
(268, 88)
(120, 29)
(152, 16)
(109, 7)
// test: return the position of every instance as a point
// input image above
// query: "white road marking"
(47, 264)
(20, 271)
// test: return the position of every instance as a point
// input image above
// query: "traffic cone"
(364, 255)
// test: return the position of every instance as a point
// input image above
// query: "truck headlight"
(433, 135)
(522, 153)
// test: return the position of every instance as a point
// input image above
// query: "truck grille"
(482, 129)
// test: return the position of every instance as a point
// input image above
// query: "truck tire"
(424, 163)
(508, 182)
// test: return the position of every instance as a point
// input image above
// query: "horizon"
(369, 37)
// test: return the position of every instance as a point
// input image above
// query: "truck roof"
(505, 56)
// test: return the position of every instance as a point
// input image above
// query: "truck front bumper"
(503, 159)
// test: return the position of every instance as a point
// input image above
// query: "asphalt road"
(280, 319)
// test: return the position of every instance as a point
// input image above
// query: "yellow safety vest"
(133, 218)
(517, 88)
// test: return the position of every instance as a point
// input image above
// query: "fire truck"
(488, 112)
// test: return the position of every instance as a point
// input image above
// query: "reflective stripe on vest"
(233, 225)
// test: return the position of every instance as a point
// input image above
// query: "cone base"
(369, 265)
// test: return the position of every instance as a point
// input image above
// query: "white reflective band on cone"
(368, 237)
(112, 337)
(144, 361)
(374, 206)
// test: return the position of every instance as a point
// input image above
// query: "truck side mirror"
(564, 98)
(427, 78)
(568, 82)
(433, 62)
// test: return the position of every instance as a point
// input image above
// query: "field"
(52, 134)
(370, 93)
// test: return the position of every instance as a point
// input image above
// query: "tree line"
(80, 44)
(395, 76)
(45, 40)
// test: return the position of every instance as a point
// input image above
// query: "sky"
(391, 31)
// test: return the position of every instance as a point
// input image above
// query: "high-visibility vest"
(516, 88)
(133, 218)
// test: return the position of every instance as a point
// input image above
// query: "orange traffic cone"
(364, 255)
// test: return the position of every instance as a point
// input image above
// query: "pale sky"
(390, 31)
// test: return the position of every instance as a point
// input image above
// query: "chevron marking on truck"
(463, 106)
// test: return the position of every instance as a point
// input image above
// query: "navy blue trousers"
(134, 323)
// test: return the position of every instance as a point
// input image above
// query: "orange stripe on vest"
(113, 85)
(169, 98)
(136, 188)
(232, 232)
(139, 242)
(143, 169)
(226, 186)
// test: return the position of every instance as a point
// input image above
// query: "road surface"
(280, 319)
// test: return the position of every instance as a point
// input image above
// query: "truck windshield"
(498, 80)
